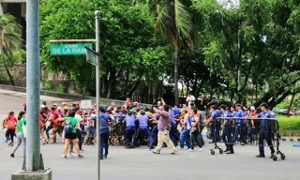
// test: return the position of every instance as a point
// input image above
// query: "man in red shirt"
(57, 124)
(10, 124)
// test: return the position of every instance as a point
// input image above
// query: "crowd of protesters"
(131, 125)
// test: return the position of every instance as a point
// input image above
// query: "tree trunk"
(8, 72)
(176, 62)
(291, 103)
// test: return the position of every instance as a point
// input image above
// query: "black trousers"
(80, 140)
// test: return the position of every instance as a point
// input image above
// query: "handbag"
(24, 129)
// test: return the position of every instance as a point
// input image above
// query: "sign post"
(97, 28)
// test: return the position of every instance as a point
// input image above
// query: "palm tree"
(173, 23)
(10, 40)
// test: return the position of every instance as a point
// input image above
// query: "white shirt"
(79, 119)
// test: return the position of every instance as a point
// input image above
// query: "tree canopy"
(248, 54)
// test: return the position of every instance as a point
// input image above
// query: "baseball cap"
(264, 105)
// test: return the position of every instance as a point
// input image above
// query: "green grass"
(289, 124)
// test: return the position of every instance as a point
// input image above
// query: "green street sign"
(69, 48)
(91, 56)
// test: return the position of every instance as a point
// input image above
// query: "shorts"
(57, 129)
(71, 136)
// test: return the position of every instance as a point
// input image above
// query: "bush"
(60, 89)
(47, 86)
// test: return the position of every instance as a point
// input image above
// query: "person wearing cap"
(240, 125)
(143, 129)
(265, 130)
(214, 123)
(64, 105)
(129, 129)
(228, 129)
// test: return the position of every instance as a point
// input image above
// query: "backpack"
(11, 124)
(68, 128)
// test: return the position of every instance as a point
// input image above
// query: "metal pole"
(97, 28)
(32, 160)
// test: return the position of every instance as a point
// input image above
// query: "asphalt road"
(141, 164)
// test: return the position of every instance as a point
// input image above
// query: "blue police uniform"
(104, 133)
(130, 129)
(143, 121)
(240, 127)
(227, 131)
(215, 125)
(174, 133)
(265, 131)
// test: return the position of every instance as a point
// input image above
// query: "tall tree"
(173, 23)
(10, 41)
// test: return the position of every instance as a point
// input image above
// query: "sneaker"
(72, 154)
(190, 150)
(155, 152)
(200, 149)
(174, 152)
(80, 156)
(12, 155)
(65, 157)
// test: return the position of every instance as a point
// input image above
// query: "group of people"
(240, 123)
(176, 127)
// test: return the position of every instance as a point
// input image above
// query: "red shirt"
(55, 116)
(11, 122)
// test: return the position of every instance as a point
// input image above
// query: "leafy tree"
(173, 23)
(10, 41)
(129, 51)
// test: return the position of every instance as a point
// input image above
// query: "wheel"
(275, 158)
(221, 151)
(282, 156)
(212, 152)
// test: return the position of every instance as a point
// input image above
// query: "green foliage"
(289, 124)
(60, 88)
(127, 36)
(47, 86)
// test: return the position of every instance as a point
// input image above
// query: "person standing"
(215, 123)
(143, 129)
(195, 131)
(240, 125)
(228, 129)
(20, 134)
(78, 128)
(10, 124)
(104, 131)
(185, 134)
(70, 124)
(190, 99)
(265, 130)
(129, 130)
(164, 127)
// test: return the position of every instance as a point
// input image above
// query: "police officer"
(129, 130)
(240, 125)
(265, 130)
(227, 129)
(143, 130)
(215, 124)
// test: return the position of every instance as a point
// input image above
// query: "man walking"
(164, 127)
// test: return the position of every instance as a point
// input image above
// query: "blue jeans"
(185, 137)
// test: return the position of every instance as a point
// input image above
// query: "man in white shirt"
(190, 99)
